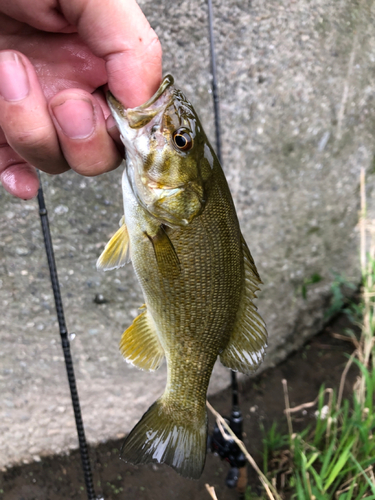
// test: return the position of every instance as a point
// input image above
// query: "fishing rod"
(65, 343)
(225, 446)
(215, 93)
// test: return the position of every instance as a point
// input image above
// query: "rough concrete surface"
(298, 113)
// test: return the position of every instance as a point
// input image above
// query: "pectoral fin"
(140, 345)
(246, 347)
(116, 252)
(165, 253)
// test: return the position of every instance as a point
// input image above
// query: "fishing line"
(65, 344)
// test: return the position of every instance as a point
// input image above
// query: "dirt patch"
(322, 360)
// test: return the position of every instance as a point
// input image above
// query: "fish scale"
(196, 273)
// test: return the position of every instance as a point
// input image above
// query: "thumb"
(118, 31)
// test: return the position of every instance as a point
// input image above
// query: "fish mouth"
(167, 82)
(141, 115)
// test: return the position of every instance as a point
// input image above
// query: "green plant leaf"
(312, 459)
(339, 464)
(358, 465)
(318, 479)
(327, 459)
(301, 493)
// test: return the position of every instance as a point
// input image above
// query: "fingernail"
(111, 123)
(14, 83)
(75, 117)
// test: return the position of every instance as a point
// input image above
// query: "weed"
(251, 495)
(334, 458)
(339, 286)
(315, 278)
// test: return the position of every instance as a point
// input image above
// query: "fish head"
(167, 154)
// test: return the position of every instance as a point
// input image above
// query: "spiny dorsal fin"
(116, 252)
(140, 344)
(248, 340)
(165, 253)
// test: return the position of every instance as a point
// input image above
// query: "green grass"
(334, 457)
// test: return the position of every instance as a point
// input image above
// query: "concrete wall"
(298, 114)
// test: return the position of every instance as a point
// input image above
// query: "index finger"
(118, 31)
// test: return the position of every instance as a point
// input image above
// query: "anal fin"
(140, 345)
(246, 347)
(116, 252)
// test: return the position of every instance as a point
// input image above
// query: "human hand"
(54, 57)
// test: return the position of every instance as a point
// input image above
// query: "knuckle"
(38, 141)
(40, 147)
(154, 45)
(96, 166)
(8, 157)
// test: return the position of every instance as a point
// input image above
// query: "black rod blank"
(215, 93)
(236, 419)
(215, 96)
(65, 345)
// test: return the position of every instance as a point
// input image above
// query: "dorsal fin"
(246, 347)
(251, 272)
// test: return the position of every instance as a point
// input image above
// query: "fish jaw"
(135, 127)
(135, 124)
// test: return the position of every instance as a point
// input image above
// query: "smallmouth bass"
(181, 232)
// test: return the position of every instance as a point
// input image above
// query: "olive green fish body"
(197, 275)
(196, 327)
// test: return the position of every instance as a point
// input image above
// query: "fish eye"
(182, 140)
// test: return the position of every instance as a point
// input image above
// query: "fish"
(181, 232)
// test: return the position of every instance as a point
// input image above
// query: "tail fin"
(158, 438)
